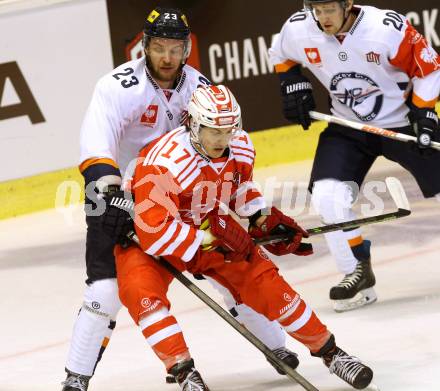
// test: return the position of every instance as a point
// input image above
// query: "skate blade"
(372, 387)
(362, 298)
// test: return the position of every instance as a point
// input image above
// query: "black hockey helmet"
(167, 23)
(171, 23)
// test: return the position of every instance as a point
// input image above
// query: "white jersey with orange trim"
(175, 188)
(368, 74)
(128, 110)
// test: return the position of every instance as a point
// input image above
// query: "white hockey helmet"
(214, 107)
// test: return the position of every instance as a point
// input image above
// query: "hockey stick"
(369, 129)
(398, 195)
(291, 373)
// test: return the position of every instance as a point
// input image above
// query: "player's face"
(330, 16)
(215, 140)
(166, 56)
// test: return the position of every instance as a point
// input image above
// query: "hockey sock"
(165, 337)
(301, 323)
(93, 327)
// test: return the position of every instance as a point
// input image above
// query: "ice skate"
(356, 289)
(348, 368)
(288, 357)
(75, 382)
(188, 377)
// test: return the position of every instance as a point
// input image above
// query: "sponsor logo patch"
(373, 57)
(313, 55)
(294, 302)
(287, 297)
(343, 56)
(149, 118)
(146, 303)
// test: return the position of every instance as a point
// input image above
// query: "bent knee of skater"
(101, 298)
(332, 199)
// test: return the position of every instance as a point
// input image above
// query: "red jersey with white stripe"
(367, 74)
(175, 188)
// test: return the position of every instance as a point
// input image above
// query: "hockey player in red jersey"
(378, 70)
(181, 186)
(134, 104)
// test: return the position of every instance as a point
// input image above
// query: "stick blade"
(397, 193)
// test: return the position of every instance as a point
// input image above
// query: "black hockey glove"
(426, 127)
(117, 219)
(297, 95)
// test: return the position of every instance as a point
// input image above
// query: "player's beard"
(160, 76)
(165, 77)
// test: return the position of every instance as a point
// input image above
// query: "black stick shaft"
(338, 226)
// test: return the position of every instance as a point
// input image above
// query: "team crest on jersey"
(313, 56)
(358, 92)
(373, 57)
(149, 118)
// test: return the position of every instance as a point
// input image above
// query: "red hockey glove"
(278, 223)
(231, 239)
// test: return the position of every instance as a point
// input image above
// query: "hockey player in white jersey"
(378, 70)
(131, 106)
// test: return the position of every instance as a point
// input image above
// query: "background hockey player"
(131, 106)
(179, 184)
(379, 70)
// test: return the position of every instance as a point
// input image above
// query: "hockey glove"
(117, 221)
(426, 127)
(297, 96)
(277, 223)
(230, 238)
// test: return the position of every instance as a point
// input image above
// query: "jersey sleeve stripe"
(419, 102)
(188, 174)
(183, 234)
(190, 179)
(244, 149)
(285, 66)
(244, 159)
(176, 233)
(151, 153)
(155, 247)
(186, 168)
(251, 207)
(243, 153)
(89, 162)
(191, 250)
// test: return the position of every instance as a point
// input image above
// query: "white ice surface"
(42, 279)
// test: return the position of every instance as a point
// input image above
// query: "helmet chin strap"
(196, 143)
(200, 149)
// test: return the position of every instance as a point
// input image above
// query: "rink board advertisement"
(50, 59)
(54, 51)
(232, 42)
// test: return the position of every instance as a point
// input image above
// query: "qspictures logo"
(24, 104)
